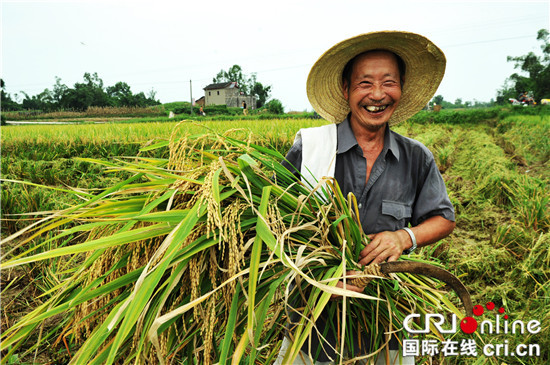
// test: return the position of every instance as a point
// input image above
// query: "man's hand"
(388, 246)
(385, 246)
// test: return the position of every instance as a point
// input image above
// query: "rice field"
(496, 172)
(142, 132)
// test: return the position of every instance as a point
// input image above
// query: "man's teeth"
(373, 108)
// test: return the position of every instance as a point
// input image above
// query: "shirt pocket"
(400, 212)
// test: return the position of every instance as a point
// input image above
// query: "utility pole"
(191, 94)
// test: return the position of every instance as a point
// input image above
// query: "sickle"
(420, 268)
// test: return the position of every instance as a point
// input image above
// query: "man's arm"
(390, 245)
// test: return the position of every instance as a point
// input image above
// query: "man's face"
(374, 90)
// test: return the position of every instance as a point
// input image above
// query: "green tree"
(536, 73)
(83, 95)
(438, 99)
(234, 74)
(151, 95)
(275, 106)
(42, 101)
(48, 100)
(506, 92)
(260, 91)
(59, 90)
(86, 94)
(5, 99)
(121, 94)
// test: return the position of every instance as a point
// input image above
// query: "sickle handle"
(419, 268)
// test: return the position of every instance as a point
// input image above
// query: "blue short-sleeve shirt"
(404, 186)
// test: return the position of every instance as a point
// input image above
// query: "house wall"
(230, 97)
(249, 100)
(215, 97)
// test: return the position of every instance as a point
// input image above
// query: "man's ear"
(345, 89)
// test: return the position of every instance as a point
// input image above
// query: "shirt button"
(360, 205)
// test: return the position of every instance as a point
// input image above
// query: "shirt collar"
(347, 140)
(389, 140)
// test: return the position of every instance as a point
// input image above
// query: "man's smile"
(375, 108)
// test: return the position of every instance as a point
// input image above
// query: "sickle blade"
(422, 268)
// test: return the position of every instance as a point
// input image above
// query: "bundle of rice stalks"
(202, 258)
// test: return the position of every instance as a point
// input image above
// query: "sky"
(176, 48)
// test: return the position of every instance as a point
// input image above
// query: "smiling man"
(364, 85)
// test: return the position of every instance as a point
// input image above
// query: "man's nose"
(377, 92)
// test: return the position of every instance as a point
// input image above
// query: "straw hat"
(424, 70)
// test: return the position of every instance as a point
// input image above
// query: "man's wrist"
(410, 250)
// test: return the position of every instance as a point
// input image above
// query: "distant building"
(200, 101)
(227, 93)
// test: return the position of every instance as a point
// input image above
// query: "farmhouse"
(227, 93)
(200, 101)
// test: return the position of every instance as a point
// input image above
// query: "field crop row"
(91, 112)
(45, 142)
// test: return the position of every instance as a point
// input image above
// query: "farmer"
(365, 85)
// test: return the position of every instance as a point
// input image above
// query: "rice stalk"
(208, 259)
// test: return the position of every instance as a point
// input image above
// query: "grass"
(527, 140)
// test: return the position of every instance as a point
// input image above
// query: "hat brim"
(424, 70)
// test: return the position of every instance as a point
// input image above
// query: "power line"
(489, 41)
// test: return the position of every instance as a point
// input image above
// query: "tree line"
(460, 104)
(90, 92)
(535, 76)
(534, 79)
